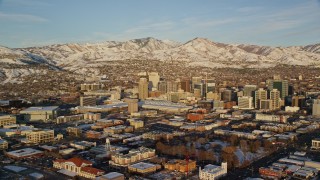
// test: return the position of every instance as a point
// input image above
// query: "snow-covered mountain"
(196, 52)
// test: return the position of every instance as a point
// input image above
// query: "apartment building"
(7, 120)
(41, 136)
(3, 144)
(134, 155)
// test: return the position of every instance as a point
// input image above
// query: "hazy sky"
(264, 22)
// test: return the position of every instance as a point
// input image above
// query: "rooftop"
(112, 175)
(24, 152)
(42, 108)
(142, 165)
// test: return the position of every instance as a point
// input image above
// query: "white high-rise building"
(245, 102)
(275, 97)
(143, 89)
(154, 78)
(316, 107)
(260, 94)
(248, 89)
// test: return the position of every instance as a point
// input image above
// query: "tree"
(234, 140)
(244, 145)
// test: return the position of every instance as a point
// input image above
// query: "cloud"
(20, 17)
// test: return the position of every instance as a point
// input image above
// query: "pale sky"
(25, 23)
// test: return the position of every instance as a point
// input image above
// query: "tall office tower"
(88, 101)
(132, 105)
(197, 93)
(143, 88)
(249, 89)
(185, 85)
(298, 101)
(195, 80)
(210, 86)
(280, 85)
(200, 87)
(154, 78)
(265, 104)
(245, 102)
(259, 94)
(275, 97)
(316, 107)
(172, 86)
(162, 86)
(227, 95)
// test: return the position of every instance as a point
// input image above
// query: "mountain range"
(16, 62)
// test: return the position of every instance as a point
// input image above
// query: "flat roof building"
(7, 120)
(44, 113)
(24, 153)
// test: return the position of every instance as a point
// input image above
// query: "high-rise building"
(154, 78)
(298, 101)
(172, 86)
(210, 86)
(162, 86)
(275, 97)
(200, 87)
(227, 95)
(195, 80)
(185, 85)
(245, 102)
(316, 107)
(265, 104)
(197, 93)
(260, 94)
(281, 85)
(132, 105)
(248, 90)
(143, 88)
(88, 101)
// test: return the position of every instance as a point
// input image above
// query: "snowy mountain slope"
(196, 52)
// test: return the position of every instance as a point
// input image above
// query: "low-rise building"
(77, 166)
(24, 153)
(143, 168)
(7, 120)
(315, 144)
(212, 172)
(136, 123)
(3, 144)
(44, 113)
(112, 176)
(118, 129)
(41, 136)
(180, 165)
(133, 156)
